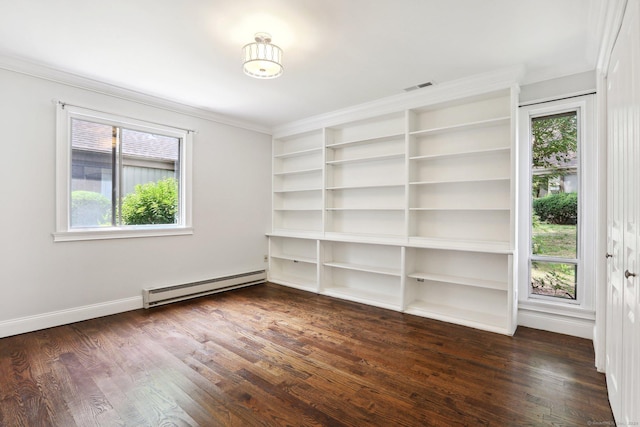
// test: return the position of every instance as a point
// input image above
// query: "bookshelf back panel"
(298, 220)
(462, 298)
(463, 112)
(362, 254)
(471, 265)
(304, 248)
(363, 281)
(303, 181)
(298, 200)
(293, 144)
(296, 272)
(496, 136)
(488, 226)
(371, 128)
(468, 195)
(377, 197)
(379, 172)
(383, 223)
(291, 164)
(357, 151)
(487, 166)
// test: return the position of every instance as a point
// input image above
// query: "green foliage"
(554, 145)
(151, 203)
(555, 140)
(89, 209)
(561, 208)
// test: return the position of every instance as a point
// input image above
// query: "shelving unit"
(298, 183)
(365, 165)
(412, 210)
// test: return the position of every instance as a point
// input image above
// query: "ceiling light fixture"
(262, 59)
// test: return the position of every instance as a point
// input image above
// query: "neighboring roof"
(91, 136)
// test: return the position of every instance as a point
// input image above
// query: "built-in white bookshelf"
(365, 168)
(412, 210)
(298, 183)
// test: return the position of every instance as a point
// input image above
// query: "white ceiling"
(337, 53)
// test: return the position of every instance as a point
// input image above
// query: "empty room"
(320, 213)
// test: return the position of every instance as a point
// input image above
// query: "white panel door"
(623, 305)
(631, 301)
(615, 243)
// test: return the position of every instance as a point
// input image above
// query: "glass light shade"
(262, 59)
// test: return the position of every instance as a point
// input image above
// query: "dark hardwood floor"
(269, 355)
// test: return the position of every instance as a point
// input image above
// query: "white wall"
(575, 84)
(44, 283)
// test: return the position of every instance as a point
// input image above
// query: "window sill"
(119, 233)
(558, 308)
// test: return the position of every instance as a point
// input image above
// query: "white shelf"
(464, 126)
(366, 209)
(460, 245)
(295, 258)
(366, 159)
(465, 281)
(461, 154)
(462, 209)
(356, 187)
(460, 181)
(298, 172)
(392, 302)
(297, 234)
(297, 190)
(366, 140)
(475, 319)
(295, 282)
(375, 239)
(366, 268)
(297, 209)
(298, 153)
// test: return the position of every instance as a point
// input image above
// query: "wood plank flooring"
(274, 356)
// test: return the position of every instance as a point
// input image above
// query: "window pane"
(554, 193)
(150, 178)
(554, 279)
(91, 174)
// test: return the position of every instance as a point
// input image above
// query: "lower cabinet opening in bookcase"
(466, 305)
(294, 262)
(361, 286)
(294, 273)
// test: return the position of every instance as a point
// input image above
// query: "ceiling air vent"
(420, 86)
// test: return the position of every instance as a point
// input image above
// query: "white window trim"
(64, 232)
(584, 305)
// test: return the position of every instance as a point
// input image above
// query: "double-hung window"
(120, 177)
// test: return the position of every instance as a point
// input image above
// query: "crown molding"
(448, 91)
(612, 13)
(45, 72)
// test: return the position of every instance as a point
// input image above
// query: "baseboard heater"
(160, 295)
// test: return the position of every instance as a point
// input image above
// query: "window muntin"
(101, 156)
(554, 206)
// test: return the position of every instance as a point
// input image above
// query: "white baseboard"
(64, 317)
(558, 323)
